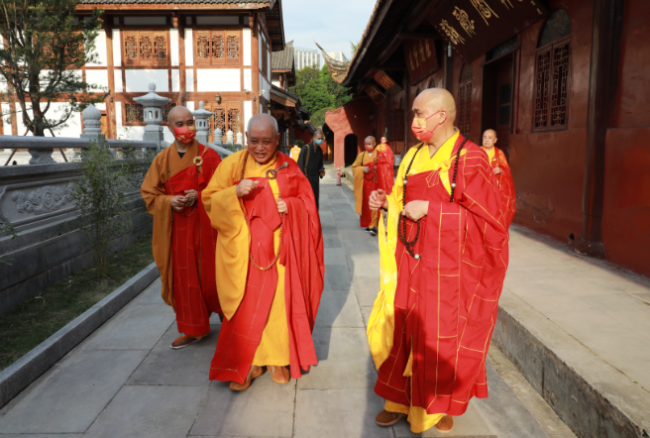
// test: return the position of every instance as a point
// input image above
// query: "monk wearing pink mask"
(443, 259)
(184, 242)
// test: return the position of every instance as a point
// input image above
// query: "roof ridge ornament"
(338, 69)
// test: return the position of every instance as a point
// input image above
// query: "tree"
(354, 48)
(318, 92)
(44, 47)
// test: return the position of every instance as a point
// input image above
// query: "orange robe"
(364, 185)
(183, 243)
(270, 313)
(505, 182)
(442, 308)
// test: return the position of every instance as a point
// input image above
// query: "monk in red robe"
(385, 166)
(503, 175)
(269, 261)
(446, 246)
(183, 240)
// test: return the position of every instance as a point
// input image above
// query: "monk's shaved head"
(179, 112)
(436, 99)
(370, 140)
(262, 121)
(490, 131)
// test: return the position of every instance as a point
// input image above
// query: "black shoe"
(373, 231)
(368, 230)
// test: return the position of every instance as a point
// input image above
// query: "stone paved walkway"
(125, 381)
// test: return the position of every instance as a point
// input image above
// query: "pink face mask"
(419, 128)
(369, 148)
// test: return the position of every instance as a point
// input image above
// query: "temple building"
(561, 81)
(219, 52)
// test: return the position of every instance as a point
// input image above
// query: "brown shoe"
(280, 374)
(385, 418)
(184, 341)
(254, 373)
(445, 424)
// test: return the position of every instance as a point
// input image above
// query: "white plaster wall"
(126, 132)
(168, 137)
(189, 80)
(98, 78)
(43, 77)
(117, 75)
(117, 48)
(173, 44)
(6, 118)
(139, 80)
(100, 50)
(224, 20)
(218, 79)
(189, 105)
(176, 80)
(3, 85)
(248, 79)
(248, 113)
(266, 86)
(20, 119)
(189, 48)
(147, 21)
(247, 46)
(73, 125)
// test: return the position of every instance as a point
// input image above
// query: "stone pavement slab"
(125, 381)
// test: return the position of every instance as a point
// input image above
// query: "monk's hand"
(322, 172)
(366, 169)
(245, 186)
(282, 206)
(178, 202)
(192, 197)
(416, 210)
(378, 200)
(497, 170)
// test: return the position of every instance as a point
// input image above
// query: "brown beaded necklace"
(374, 169)
(401, 226)
(198, 162)
(270, 174)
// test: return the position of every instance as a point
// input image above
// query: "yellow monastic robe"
(295, 153)
(364, 159)
(232, 256)
(490, 153)
(381, 323)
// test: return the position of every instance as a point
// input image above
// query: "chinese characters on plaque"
(421, 58)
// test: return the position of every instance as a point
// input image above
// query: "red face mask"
(369, 148)
(185, 134)
(419, 128)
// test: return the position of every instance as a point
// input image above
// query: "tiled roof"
(283, 59)
(184, 2)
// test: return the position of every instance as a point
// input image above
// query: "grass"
(35, 320)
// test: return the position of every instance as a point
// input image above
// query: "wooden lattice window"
(217, 47)
(552, 64)
(146, 48)
(226, 117)
(464, 119)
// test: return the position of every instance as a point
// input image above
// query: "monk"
(503, 175)
(294, 153)
(269, 262)
(366, 180)
(311, 162)
(442, 263)
(183, 240)
(385, 166)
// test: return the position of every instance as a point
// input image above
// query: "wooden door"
(504, 105)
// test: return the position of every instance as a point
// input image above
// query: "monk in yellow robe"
(295, 152)
(183, 240)
(269, 261)
(443, 259)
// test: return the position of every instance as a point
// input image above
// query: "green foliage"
(300, 143)
(100, 198)
(318, 92)
(44, 47)
(354, 48)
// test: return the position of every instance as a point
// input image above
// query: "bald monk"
(269, 261)
(183, 240)
(366, 180)
(503, 175)
(443, 263)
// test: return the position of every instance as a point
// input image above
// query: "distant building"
(339, 56)
(306, 58)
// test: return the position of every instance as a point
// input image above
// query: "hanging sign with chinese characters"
(375, 94)
(386, 82)
(421, 58)
(475, 26)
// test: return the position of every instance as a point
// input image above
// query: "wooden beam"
(171, 6)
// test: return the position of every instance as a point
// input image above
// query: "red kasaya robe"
(301, 255)
(385, 167)
(184, 243)
(364, 185)
(446, 302)
(506, 184)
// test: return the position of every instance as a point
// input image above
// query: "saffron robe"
(385, 167)
(184, 243)
(433, 319)
(295, 153)
(364, 185)
(270, 314)
(505, 183)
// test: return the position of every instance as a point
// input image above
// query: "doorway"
(351, 149)
(497, 100)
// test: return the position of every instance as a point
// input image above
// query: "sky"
(331, 23)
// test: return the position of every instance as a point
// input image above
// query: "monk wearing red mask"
(501, 170)
(269, 262)
(183, 239)
(443, 260)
